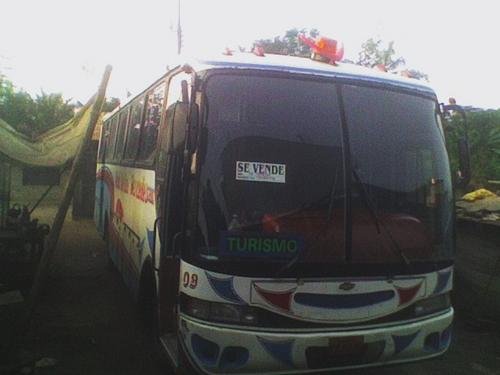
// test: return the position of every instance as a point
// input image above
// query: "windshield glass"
(271, 180)
(398, 154)
(273, 164)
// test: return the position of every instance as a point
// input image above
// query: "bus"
(278, 214)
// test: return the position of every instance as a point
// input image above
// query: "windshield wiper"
(369, 205)
(376, 219)
(331, 196)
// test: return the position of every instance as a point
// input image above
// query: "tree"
(32, 116)
(6, 88)
(35, 116)
(17, 108)
(110, 104)
(288, 44)
(372, 51)
(484, 143)
(51, 110)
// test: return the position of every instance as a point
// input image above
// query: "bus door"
(98, 217)
(169, 197)
(105, 152)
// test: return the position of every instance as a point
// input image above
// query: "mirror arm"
(459, 109)
(463, 146)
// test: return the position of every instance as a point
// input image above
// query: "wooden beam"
(53, 237)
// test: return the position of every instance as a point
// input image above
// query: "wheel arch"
(146, 296)
(147, 279)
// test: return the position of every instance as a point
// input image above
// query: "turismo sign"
(249, 244)
(263, 172)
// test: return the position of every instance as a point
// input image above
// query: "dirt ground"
(87, 322)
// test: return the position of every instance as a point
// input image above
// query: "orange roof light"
(228, 52)
(326, 48)
(258, 51)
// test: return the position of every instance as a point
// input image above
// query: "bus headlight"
(224, 312)
(196, 307)
(218, 312)
(433, 304)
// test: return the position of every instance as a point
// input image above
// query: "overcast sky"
(63, 45)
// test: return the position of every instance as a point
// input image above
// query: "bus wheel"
(147, 302)
(185, 367)
(147, 309)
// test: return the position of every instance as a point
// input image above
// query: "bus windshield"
(272, 181)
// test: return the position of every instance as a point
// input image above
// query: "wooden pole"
(53, 237)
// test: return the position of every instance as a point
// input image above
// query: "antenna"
(179, 29)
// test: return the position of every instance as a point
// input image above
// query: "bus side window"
(152, 120)
(163, 143)
(111, 138)
(103, 144)
(168, 165)
(120, 137)
(175, 89)
(134, 128)
(174, 95)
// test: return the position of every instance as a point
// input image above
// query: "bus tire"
(185, 367)
(148, 316)
(146, 300)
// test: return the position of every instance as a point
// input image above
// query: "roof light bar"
(258, 51)
(228, 52)
(325, 48)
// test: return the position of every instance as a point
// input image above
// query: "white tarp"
(50, 149)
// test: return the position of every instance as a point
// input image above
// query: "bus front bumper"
(221, 350)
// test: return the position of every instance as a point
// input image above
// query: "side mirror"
(202, 144)
(193, 127)
(464, 171)
(179, 126)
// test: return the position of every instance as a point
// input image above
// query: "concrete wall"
(22, 194)
(84, 196)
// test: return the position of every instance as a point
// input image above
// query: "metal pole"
(179, 29)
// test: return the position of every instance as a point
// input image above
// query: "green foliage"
(51, 110)
(484, 127)
(6, 88)
(372, 51)
(484, 142)
(32, 116)
(288, 44)
(110, 104)
(16, 107)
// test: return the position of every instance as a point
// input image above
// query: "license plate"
(347, 346)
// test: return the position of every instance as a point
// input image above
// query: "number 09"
(190, 280)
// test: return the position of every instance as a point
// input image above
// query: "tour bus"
(278, 214)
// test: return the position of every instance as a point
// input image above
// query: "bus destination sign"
(249, 244)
